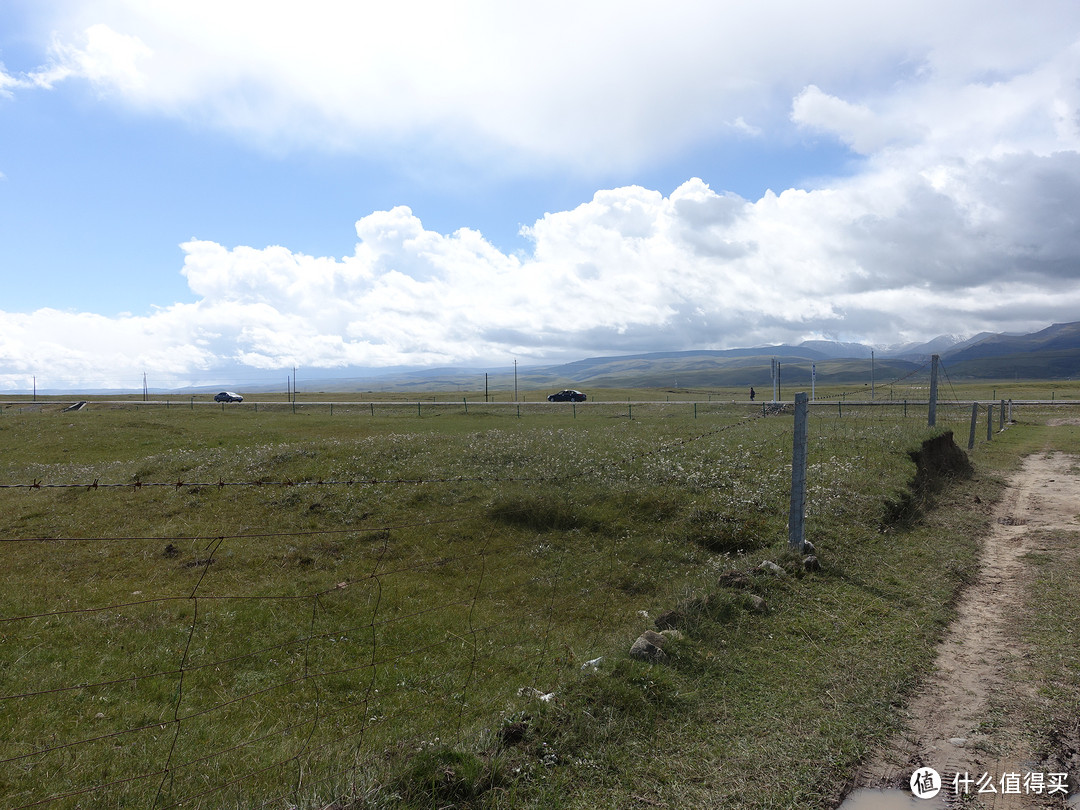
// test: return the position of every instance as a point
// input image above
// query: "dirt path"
(949, 723)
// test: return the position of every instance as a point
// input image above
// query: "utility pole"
(145, 393)
(871, 375)
(515, 381)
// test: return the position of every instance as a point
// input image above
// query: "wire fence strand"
(242, 684)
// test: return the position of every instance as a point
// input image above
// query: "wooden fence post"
(931, 418)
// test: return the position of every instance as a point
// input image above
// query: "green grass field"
(277, 607)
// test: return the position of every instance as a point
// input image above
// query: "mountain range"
(1050, 354)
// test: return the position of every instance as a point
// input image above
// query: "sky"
(210, 192)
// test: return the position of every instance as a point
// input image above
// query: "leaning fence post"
(974, 421)
(1001, 416)
(796, 527)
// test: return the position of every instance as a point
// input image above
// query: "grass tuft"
(446, 778)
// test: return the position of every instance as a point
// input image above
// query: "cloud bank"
(591, 84)
(884, 258)
(958, 215)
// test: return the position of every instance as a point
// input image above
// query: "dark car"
(228, 396)
(567, 396)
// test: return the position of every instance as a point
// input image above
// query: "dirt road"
(955, 724)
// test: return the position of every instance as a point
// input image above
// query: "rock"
(959, 742)
(770, 567)
(758, 605)
(675, 634)
(648, 647)
(811, 563)
(808, 548)
(594, 663)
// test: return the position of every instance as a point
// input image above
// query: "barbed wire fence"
(267, 697)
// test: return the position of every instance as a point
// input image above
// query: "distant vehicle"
(567, 396)
(228, 396)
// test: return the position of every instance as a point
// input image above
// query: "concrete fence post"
(796, 515)
(974, 421)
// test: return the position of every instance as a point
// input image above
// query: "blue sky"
(210, 191)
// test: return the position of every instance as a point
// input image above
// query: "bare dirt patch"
(955, 724)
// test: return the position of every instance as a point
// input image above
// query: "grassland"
(241, 606)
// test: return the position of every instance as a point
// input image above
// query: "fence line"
(362, 632)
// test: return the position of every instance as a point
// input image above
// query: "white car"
(228, 396)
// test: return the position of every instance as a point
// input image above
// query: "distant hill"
(1050, 354)
(1053, 353)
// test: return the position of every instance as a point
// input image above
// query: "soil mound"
(938, 461)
